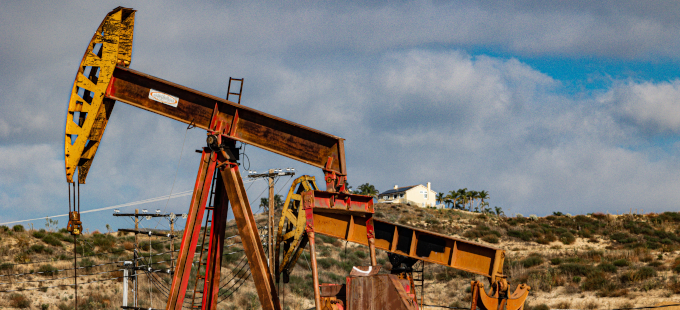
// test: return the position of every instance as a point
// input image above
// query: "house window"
(401, 195)
(424, 194)
(385, 197)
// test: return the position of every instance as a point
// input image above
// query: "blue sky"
(548, 105)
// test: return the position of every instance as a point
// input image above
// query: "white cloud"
(393, 80)
(652, 106)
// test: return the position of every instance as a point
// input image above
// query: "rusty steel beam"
(247, 229)
(181, 277)
(244, 124)
(412, 242)
(349, 217)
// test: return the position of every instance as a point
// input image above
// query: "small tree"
(368, 190)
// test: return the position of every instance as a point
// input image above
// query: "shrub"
(52, 240)
(594, 282)
(567, 238)
(18, 228)
(87, 263)
(521, 234)
(326, 262)
(607, 267)
(39, 248)
(6, 266)
(158, 246)
(39, 234)
(4, 228)
(231, 258)
(48, 270)
(103, 241)
(541, 307)
(622, 262)
(646, 272)
(531, 261)
(360, 254)
(19, 301)
(555, 261)
(490, 239)
(576, 279)
(576, 269)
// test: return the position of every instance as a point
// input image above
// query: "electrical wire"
(129, 204)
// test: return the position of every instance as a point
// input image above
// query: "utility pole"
(271, 174)
(270, 222)
(134, 275)
(171, 217)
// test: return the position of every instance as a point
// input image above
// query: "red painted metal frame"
(211, 286)
(181, 277)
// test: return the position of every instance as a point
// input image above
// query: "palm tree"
(462, 193)
(440, 198)
(483, 195)
(368, 190)
(472, 195)
(453, 198)
(499, 211)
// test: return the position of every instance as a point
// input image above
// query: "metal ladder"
(235, 94)
(204, 248)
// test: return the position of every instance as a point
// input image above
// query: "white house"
(420, 195)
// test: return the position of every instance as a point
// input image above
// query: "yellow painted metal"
(291, 232)
(88, 110)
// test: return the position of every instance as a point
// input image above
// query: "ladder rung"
(237, 94)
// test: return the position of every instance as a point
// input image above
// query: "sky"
(547, 105)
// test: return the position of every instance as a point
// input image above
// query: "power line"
(134, 203)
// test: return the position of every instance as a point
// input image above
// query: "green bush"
(6, 266)
(646, 272)
(104, 241)
(51, 239)
(621, 262)
(18, 228)
(520, 234)
(39, 248)
(541, 307)
(48, 270)
(594, 282)
(555, 261)
(158, 247)
(576, 269)
(39, 234)
(87, 263)
(300, 286)
(326, 262)
(4, 228)
(531, 261)
(490, 239)
(567, 238)
(607, 267)
(360, 254)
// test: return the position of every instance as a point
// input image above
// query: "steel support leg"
(252, 245)
(211, 286)
(370, 234)
(191, 231)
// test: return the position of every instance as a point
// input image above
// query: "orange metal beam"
(244, 124)
(412, 242)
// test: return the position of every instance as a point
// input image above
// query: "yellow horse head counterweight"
(88, 109)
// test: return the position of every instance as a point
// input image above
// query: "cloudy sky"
(549, 106)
